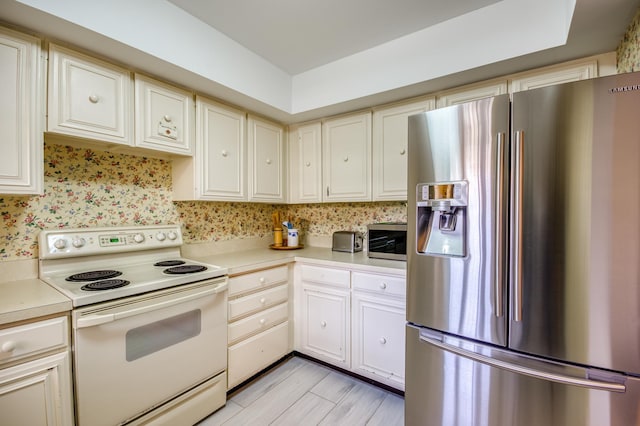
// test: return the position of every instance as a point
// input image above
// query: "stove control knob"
(78, 242)
(138, 238)
(60, 244)
(172, 235)
(160, 236)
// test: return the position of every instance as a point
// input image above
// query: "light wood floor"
(302, 392)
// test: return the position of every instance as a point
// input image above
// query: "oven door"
(133, 354)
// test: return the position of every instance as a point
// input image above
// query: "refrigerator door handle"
(499, 271)
(516, 225)
(521, 369)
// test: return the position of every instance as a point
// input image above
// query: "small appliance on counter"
(387, 240)
(347, 241)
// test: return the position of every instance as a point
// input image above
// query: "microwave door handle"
(98, 319)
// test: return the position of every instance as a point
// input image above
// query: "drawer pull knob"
(383, 286)
(262, 321)
(323, 324)
(262, 280)
(94, 99)
(8, 346)
(263, 301)
(383, 340)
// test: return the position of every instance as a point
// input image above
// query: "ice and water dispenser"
(441, 218)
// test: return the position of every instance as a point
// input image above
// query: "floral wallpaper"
(88, 188)
(628, 52)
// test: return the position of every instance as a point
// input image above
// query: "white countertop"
(240, 262)
(31, 298)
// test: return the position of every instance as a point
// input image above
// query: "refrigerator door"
(575, 240)
(458, 382)
(463, 293)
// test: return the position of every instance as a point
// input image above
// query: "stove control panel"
(94, 241)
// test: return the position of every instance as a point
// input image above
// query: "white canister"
(292, 237)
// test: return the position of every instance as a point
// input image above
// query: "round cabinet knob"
(167, 118)
(383, 340)
(224, 153)
(383, 286)
(60, 244)
(262, 321)
(172, 235)
(78, 242)
(262, 280)
(403, 152)
(94, 99)
(160, 236)
(345, 159)
(323, 324)
(308, 164)
(263, 301)
(268, 160)
(138, 238)
(8, 346)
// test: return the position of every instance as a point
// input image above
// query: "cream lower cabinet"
(378, 317)
(35, 387)
(258, 329)
(22, 118)
(352, 319)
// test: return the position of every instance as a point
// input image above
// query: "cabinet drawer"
(30, 339)
(252, 355)
(258, 322)
(382, 284)
(257, 280)
(254, 302)
(334, 277)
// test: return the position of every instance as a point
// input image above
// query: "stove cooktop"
(102, 264)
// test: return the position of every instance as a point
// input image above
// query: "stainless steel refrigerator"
(523, 251)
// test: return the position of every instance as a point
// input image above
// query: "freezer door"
(463, 293)
(455, 382)
(575, 243)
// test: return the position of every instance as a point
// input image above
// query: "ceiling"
(297, 60)
(298, 35)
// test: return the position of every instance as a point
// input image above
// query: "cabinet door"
(471, 93)
(379, 338)
(326, 325)
(390, 139)
(559, 74)
(266, 156)
(164, 117)
(37, 392)
(89, 98)
(217, 169)
(305, 164)
(346, 158)
(22, 117)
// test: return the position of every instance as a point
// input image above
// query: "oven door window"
(147, 339)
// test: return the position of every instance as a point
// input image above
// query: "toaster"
(347, 241)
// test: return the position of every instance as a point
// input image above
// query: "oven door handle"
(106, 317)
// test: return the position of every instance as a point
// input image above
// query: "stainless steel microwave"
(387, 240)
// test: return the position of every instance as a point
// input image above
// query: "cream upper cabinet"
(266, 159)
(22, 118)
(471, 93)
(89, 98)
(305, 163)
(217, 171)
(346, 158)
(558, 74)
(390, 139)
(164, 117)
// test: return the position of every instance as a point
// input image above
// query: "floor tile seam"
(292, 404)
